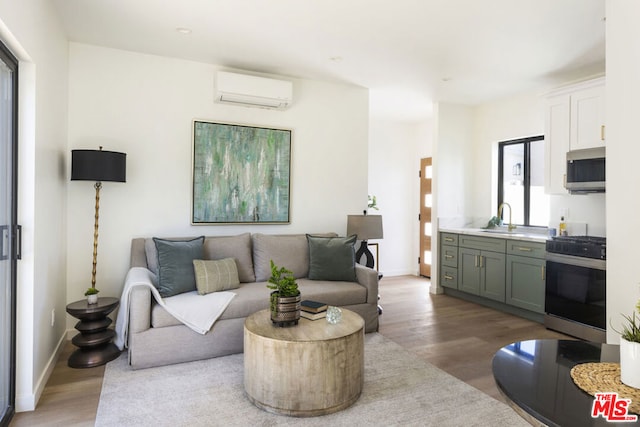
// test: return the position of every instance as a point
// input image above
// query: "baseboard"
(516, 311)
(395, 273)
(29, 402)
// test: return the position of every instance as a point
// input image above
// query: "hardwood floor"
(457, 336)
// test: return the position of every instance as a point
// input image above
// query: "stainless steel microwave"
(586, 170)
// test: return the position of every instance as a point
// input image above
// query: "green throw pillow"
(216, 275)
(332, 258)
(175, 265)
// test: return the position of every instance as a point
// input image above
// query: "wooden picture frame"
(241, 174)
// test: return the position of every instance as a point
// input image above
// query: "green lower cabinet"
(492, 280)
(525, 282)
(482, 273)
(469, 270)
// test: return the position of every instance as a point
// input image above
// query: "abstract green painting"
(240, 174)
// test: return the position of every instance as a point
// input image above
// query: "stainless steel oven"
(575, 290)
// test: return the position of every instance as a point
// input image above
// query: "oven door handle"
(597, 264)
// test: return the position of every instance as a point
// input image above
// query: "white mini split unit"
(252, 91)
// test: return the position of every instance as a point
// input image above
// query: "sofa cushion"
(289, 251)
(332, 258)
(215, 275)
(286, 250)
(175, 265)
(252, 297)
(236, 247)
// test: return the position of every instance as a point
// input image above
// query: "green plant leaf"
(282, 281)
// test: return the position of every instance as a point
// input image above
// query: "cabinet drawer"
(449, 239)
(483, 243)
(528, 249)
(449, 277)
(449, 255)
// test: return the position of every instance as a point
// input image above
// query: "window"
(521, 181)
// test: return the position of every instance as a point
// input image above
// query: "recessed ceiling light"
(446, 79)
(335, 58)
(183, 30)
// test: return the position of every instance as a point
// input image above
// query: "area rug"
(399, 389)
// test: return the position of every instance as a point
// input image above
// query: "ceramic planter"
(630, 363)
(92, 299)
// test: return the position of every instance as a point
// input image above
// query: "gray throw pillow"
(332, 258)
(175, 265)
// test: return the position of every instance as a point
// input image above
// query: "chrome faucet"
(511, 226)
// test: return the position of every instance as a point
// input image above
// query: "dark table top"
(535, 375)
(83, 310)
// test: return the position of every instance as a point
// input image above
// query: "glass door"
(8, 231)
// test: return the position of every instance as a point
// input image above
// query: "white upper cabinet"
(587, 118)
(556, 140)
(574, 119)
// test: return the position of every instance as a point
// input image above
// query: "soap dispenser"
(562, 227)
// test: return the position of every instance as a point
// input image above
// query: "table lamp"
(98, 166)
(365, 227)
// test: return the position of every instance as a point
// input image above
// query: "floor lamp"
(98, 166)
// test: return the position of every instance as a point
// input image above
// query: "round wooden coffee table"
(314, 368)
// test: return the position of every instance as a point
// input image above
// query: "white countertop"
(517, 234)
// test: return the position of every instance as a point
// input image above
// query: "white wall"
(454, 164)
(582, 208)
(395, 149)
(144, 105)
(502, 120)
(31, 30)
(623, 202)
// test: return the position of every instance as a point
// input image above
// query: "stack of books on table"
(313, 310)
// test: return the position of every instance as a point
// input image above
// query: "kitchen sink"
(513, 233)
(499, 231)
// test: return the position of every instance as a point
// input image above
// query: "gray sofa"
(156, 338)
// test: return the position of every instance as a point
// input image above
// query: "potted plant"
(92, 295)
(372, 202)
(285, 298)
(630, 350)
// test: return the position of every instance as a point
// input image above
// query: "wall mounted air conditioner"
(252, 91)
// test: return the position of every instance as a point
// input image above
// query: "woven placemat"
(605, 377)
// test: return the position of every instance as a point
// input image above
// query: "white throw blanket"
(198, 312)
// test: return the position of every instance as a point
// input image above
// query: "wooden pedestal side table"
(94, 339)
(314, 368)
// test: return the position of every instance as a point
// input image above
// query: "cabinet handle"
(475, 260)
(601, 132)
(523, 249)
(481, 261)
(543, 273)
(448, 239)
(446, 277)
(448, 256)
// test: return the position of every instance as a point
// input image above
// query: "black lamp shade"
(98, 165)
